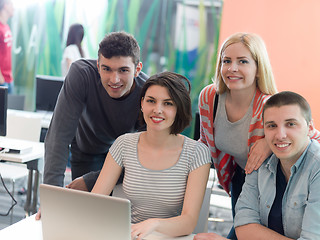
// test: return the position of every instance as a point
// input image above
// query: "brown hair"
(179, 90)
(289, 98)
(121, 44)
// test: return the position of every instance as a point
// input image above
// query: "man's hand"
(38, 215)
(78, 184)
(208, 236)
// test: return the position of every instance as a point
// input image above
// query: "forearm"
(57, 141)
(55, 164)
(195, 191)
(256, 231)
(177, 226)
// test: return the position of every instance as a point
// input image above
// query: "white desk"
(45, 116)
(30, 229)
(31, 160)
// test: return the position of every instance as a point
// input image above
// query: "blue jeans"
(9, 86)
(236, 188)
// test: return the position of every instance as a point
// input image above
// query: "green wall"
(40, 31)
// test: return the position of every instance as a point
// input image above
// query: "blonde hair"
(257, 47)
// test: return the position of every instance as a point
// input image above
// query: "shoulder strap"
(215, 105)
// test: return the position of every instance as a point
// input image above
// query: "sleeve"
(206, 105)
(315, 135)
(68, 53)
(311, 217)
(201, 156)
(116, 149)
(70, 104)
(200, 107)
(247, 207)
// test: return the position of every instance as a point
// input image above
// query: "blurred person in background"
(6, 12)
(73, 50)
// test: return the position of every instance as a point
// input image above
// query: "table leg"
(29, 190)
(30, 206)
(35, 192)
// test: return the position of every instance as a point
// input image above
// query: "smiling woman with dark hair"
(165, 172)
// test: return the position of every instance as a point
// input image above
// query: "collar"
(272, 161)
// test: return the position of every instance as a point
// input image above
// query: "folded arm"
(245, 232)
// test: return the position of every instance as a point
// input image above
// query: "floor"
(220, 217)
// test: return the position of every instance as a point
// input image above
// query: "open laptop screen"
(73, 214)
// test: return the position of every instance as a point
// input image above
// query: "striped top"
(156, 193)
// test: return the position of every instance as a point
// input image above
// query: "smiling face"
(286, 131)
(159, 110)
(238, 70)
(117, 75)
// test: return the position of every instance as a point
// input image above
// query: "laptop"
(72, 214)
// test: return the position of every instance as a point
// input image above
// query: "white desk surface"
(45, 116)
(30, 229)
(37, 151)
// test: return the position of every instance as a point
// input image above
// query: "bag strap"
(215, 105)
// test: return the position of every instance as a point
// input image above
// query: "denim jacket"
(301, 199)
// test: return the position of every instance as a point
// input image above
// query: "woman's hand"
(142, 229)
(258, 153)
(208, 236)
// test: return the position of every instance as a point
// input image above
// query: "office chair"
(12, 173)
(16, 102)
(21, 127)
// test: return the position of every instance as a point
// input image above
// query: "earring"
(141, 110)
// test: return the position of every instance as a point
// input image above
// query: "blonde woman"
(235, 136)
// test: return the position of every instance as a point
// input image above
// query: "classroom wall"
(291, 31)
(173, 35)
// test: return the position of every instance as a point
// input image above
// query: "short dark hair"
(117, 44)
(289, 98)
(179, 90)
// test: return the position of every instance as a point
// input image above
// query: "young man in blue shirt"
(281, 200)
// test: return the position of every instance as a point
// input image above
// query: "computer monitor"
(3, 110)
(47, 92)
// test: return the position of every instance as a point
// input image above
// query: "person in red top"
(6, 12)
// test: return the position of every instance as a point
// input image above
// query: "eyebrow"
(237, 57)
(287, 120)
(169, 99)
(268, 122)
(123, 67)
(291, 119)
